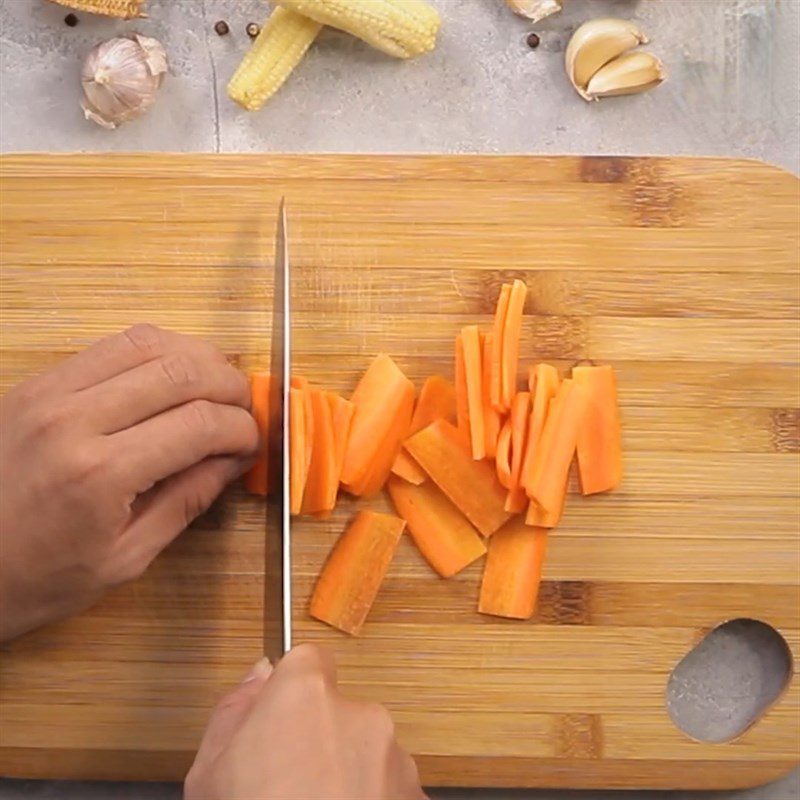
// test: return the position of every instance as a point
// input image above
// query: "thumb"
(231, 710)
(225, 720)
(172, 504)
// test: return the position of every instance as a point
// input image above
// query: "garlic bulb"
(120, 79)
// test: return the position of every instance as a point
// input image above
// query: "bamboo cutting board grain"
(682, 273)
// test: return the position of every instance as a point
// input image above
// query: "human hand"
(107, 458)
(288, 734)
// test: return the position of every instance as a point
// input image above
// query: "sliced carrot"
(541, 518)
(502, 461)
(342, 414)
(471, 485)
(517, 500)
(298, 469)
(372, 481)
(300, 382)
(512, 330)
(513, 571)
(323, 478)
(354, 571)
(557, 445)
(441, 532)
(437, 400)
(380, 393)
(473, 356)
(600, 437)
(462, 399)
(491, 418)
(256, 481)
(543, 382)
(496, 375)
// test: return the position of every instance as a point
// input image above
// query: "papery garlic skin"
(120, 79)
(534, 10)
(594, 44)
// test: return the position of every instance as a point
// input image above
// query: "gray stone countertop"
(733, 91)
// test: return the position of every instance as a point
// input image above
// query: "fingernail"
(261, 669)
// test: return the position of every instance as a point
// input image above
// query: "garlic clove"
(120, 79)
(154, 55)
(630, 73)
(594, 44)
(534, 10)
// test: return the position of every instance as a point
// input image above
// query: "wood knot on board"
(786, 430)
(564, 603)
(604, 169)
(579, 736)
(556, 337)
(656, 201)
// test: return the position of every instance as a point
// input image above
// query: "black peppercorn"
(221, 28)
(70, 20)
(533, 40)
(253, 29)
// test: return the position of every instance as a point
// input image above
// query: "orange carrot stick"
(517, 500)
(491, 418)
(471, 341)
(513, 571)
(440, 531)
(376, 476)
(540, 518)
(543, 382)
(256, 481)
(354, 571)
(557, 445)
(496, 376)
(511, 335)
(380, 393)
(299, 382)
(323, 478)
(437, 400)
(342, 413)
(600, 437)
(471, 485)
(502, 460)
(298, 470)
(462, 399)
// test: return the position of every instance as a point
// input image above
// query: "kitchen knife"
(277, 544)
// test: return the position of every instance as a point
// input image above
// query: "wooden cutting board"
(682, 273)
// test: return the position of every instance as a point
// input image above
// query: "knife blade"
(277, 544)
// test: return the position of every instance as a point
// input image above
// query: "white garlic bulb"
(120, 79)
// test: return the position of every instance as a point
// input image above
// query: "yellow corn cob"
(276, 51)
(127, 9)
(401, 28)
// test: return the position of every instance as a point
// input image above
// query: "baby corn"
(401, 28)
(126, 9)
(276, 51)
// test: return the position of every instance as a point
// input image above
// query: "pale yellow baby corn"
(127, 9)
(401, 28)
(276, 51)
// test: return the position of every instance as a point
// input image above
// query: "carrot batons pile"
(475, 467)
